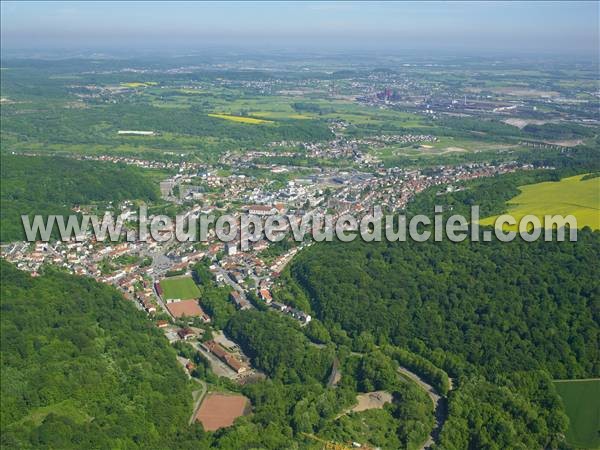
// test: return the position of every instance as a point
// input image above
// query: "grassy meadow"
(582, 403)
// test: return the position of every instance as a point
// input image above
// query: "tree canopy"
(82, 368)
(53, 185)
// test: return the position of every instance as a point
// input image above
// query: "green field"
(582, 403)
(280, 107)
(572, 195)
(182, 288)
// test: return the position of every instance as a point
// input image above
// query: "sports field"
(182, 288)
(582, 403)
(220, 410)
(185, 308)
(241, 119)
(572, 195)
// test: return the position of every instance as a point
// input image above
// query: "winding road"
(440, 405)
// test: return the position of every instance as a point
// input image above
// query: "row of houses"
(265, 210)
(300, 316)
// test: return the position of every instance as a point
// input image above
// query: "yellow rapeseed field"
(241, 119)
(572, 195)
(137, 84)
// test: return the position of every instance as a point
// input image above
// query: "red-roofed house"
(265, 295)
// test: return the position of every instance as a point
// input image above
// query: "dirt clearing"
(372, 400)
(220, 410)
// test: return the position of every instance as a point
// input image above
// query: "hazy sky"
(553, 27)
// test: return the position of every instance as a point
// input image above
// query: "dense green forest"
(537, 310)
(277, 348)
(403, 424)
(295, 397)
(53, 185)
(491, 307)
(81, 368)
(502, 319)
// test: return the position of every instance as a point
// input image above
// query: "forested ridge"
(294, 400)
(82, 368)
(502, 319)
(53, 185)
(500, 306)
(277, 348)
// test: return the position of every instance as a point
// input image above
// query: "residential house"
(185, 333)
(265, 295)
(239, 300)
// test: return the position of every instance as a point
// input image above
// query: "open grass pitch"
(182, 288)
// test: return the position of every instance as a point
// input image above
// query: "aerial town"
(139, 269)
(179, 338)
